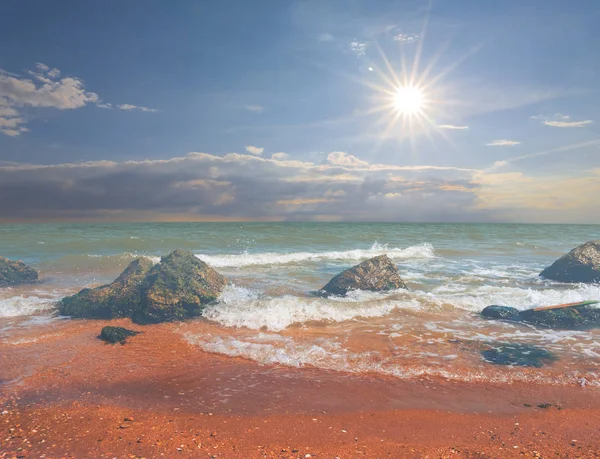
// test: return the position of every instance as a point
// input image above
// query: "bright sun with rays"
(409, 100)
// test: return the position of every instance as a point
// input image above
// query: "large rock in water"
(581, 264)
(121, 298)
(378, 274)
(178, 288)
(566, 318)
(15, 272)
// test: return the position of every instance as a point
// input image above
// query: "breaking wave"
(276, 258)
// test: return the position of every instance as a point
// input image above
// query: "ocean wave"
(25, 305)
(242, 307)
(330, 355)
(276, 258)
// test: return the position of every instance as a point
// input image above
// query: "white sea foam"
(24, 305)
(329, 355)
(276, 258)
(241, 307)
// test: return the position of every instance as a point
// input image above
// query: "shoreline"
(71, 385)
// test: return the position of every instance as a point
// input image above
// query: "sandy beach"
(65, 393)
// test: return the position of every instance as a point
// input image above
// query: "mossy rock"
(568, 318)
(114, 335)
(378, 274)
(121, 298)
(178, 288)
(15, 273)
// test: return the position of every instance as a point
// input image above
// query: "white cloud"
(568, 124)
(254, 108)
(46, 90)
(325, 37)
(452, 126)
(503, 143)
(279, 156)
(561, 121)
(406, 37)
(340, 158)
(254, 150)
(359, 48)
(130, 107)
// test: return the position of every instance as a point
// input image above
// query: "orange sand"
(67, 394)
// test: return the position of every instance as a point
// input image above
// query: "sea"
(269, 312)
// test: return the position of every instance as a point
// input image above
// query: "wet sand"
(64, 393)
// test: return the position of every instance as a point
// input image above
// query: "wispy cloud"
(406, 37)
(254, 108)
(325, 37)
(568, 124)
(503, 143)
(561, 121)
(359, 48)
(130, 107)
(254, 150)
(452, 126)
(279, 156)
(46, 89)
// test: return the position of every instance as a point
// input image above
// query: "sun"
(409, 100)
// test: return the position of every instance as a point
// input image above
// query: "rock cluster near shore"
(378, 274)
(177, 288)
(15, 273)
(582, 264)
(569, 318)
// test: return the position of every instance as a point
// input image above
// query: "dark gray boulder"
(565, 318)
(121, 298)
(568, 318)
(379, 274)
(15, 273)
(581, 264)
(178, 288)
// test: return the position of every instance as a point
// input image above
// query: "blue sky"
(284, 110)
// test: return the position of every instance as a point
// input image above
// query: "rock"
(121, 298)
(378, 274)
(581, 264)
(15, 273)
(569, 318)
(520, 355)
(178, 288)
(114, 335)
(500, 312)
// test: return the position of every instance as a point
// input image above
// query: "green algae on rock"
(120, 298)
(15, 273)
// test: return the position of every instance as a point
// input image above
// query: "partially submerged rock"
(567, 317)
(120, 298)
(581, 264)
(15, 273)
(520, 355)
(378, 274)
(114, 335)
(500, 312)
(178, 288)
(578, 317)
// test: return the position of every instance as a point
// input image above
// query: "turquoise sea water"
(268, 314)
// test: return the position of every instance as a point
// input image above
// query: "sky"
(300, 110)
